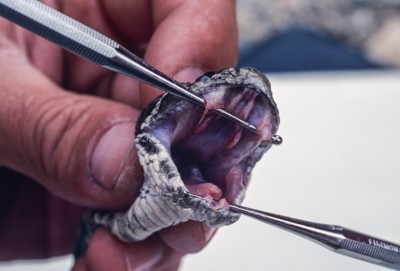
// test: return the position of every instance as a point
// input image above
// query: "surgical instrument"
(336, 238)
(96, 47)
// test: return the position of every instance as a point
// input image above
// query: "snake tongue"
(206, 190)
(196, 184)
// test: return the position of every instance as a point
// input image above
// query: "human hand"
(69, 125)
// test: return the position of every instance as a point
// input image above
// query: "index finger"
(191, 37)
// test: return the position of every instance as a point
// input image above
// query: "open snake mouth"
(214, 156)
(210, 154)
(183, 147)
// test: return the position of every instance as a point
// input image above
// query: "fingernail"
(188, 74)
(110, 154)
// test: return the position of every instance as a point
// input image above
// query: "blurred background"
(334, 66)
(304, 35)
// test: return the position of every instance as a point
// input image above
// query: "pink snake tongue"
(206, 190)
(209, 192)
(197, 185)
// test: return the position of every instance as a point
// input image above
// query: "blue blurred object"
(301, 50)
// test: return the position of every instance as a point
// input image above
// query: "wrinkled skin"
(51, 122)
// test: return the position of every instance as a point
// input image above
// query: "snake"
(195, 162)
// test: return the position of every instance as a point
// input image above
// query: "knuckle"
(56, 127)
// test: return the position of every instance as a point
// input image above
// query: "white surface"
(54, 264)
(338, 164)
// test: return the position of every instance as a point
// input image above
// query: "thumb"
(80, 148)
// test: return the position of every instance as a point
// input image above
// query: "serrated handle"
(60, 29)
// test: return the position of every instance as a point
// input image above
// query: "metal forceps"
(336, 238)
(94, 46)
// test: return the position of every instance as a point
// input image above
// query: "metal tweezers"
(96, 47)
(336, 238)
(91, 45)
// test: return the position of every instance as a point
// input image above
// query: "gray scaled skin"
(164, 200)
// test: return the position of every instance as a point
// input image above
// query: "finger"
(52, 221)
(170, 260)
(191, 37)
(78, 147)
(106, 252)
(127, 22)
(189, 237)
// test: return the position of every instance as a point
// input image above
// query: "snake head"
(186, 148)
